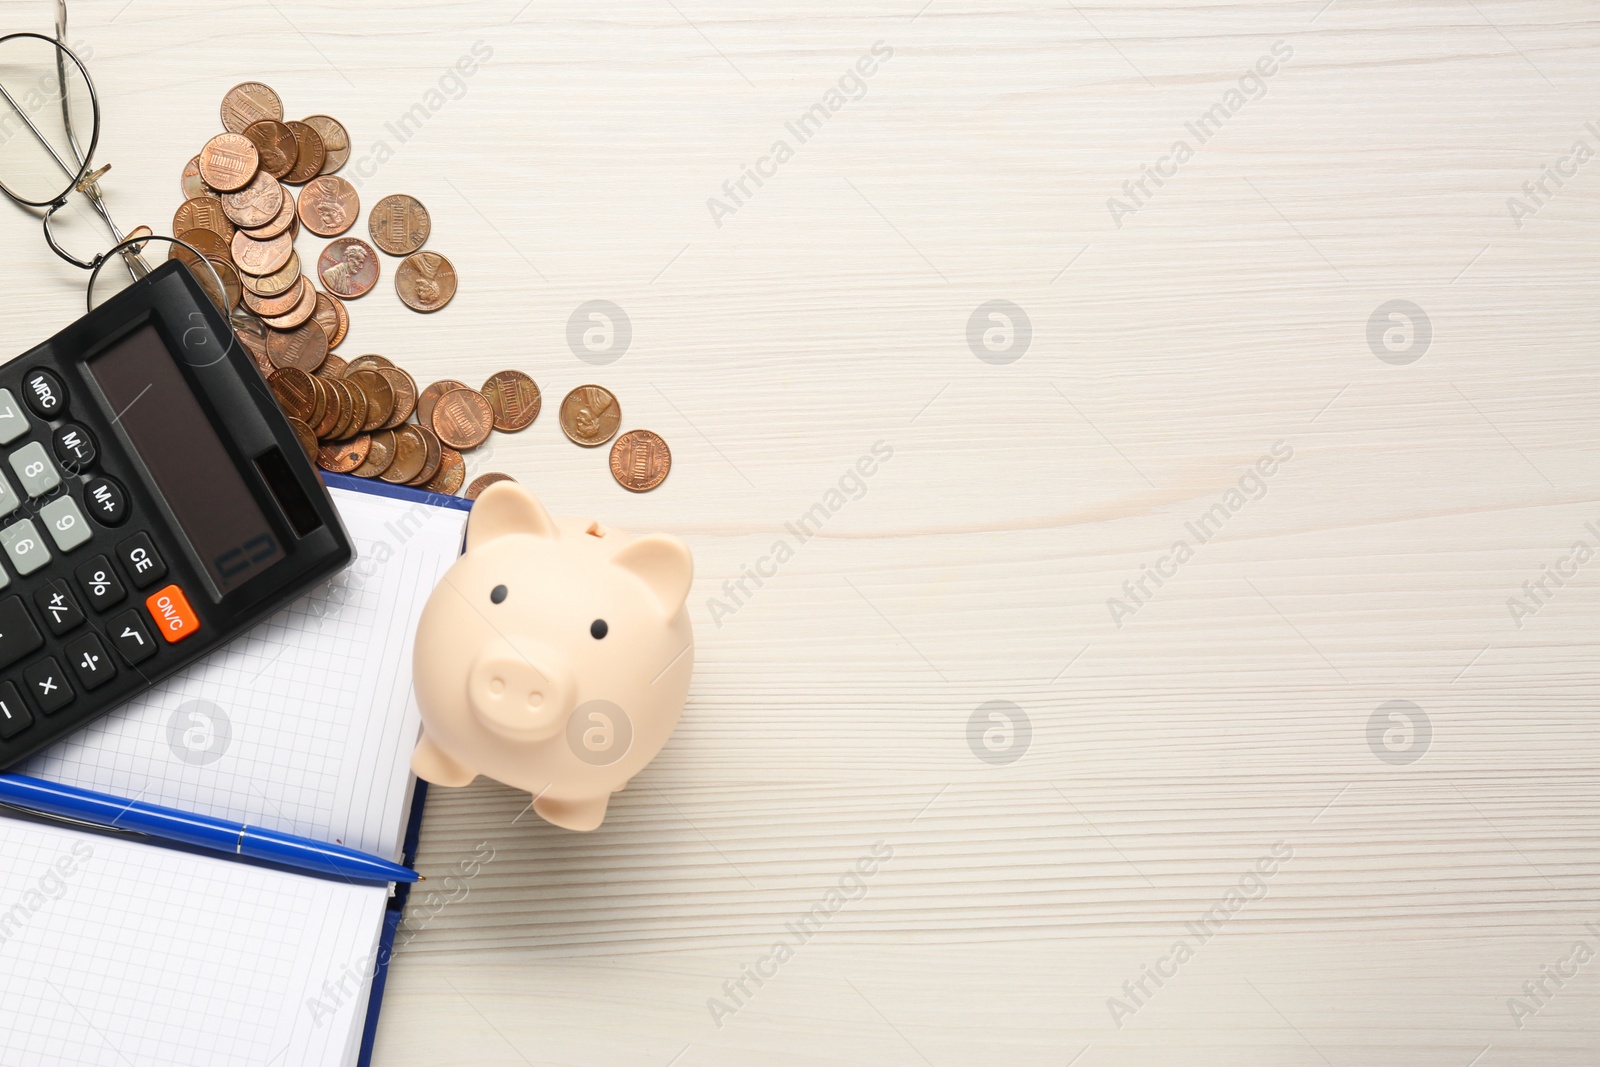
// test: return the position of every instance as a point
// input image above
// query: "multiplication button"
(48, 685)
(65, 523)
(13, 423)
(22, 544)
(34, 469)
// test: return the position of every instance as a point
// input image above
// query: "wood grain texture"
(1228, 715)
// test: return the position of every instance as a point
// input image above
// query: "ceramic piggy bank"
(554, 656)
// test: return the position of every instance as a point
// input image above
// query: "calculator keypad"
(14, 716)
(132, 638)
(66, 523)
(60, 612)
(23, 546)
(140, 558)
(44, 393)
(48, 685)
(34, 469)
(90, 661)
(106, 500)
(13, 423)
(18, 634)
(100, 584)
(73, 446)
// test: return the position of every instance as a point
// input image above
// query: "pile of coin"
(355, 418)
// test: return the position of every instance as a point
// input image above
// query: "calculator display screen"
(164, 422)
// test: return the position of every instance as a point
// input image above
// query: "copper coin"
(405, 395)
(640, 461)
(430, 396)
(301, 313)
(206, 242)
(247, 104)
(333, 367)
(335, 412)
(231, 290)
(484, 481)
(426, 281)
(295, 392)
(348, 268)
(335, 141)
(228, 162)
(193, 184)
(329, 206)
(370, 362)
(307, 439)
(311, 156)
(346, 456)
(590, 415)
(203, 213)
(269, 307)
(514, 398)
(279, 223)
(462, 418)
(379, 456)
(399, 224)
(431, 461)
(380, 397)
(256, 205)
(303, 347)
(277, 283)
(252, 338)
(319, 404)
(452, 472)
(261, 257)
(275, 145)
(332, 317)
(410, 453)
(358, 410)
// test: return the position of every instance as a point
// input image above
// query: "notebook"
(141, 954)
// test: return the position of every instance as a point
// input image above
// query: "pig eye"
(598, 629)
(497, 594)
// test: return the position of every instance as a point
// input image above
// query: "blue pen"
(201, 831)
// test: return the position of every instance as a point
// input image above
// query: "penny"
(294, 390)
(462, 418)
(410, 453)
(312, 154)
(249, 103)
(332, 367)
(253, 341)
(451, 473)
(261, 257)
(307, 439)
(358, 410)
(193, 184)
(380, 397)
(279, 281)
(335, 412)
(346, 456)
(514, 398)
(332, 317)
(206, 242)
(405, 395)
(640, 461)
(319, 402)
(279, 223)
(370, 363)
(203, 213)
(348, 268)
(430, 396)
(275, 145)
(399, 224)
(271, 307)
(231, 290)
(484, 481)
(379, 455)
(329, 206)
(256, 205)
(335, 141)
(228, 162)
(301, 312)
(303, 347)
(426, 281)
(590, 415)
(430, 461)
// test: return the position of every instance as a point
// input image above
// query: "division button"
(90, 661)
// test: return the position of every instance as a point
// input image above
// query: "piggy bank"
(554, 657)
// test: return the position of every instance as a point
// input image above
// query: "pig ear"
(506, 508)
(662, 563)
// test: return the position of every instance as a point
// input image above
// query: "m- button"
(172, 613)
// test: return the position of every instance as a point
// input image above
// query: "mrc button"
(171, 611)
(44, 393)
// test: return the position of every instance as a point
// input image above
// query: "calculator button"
(66, 523)
(22, 544)
(127, 631)
(90, 661)
(48, 685)
(13, 423)
(54, 601)
(18, 634)
(100, 583)
(34, 469)
(9, 500)
(174, 617)
(74, 447)
(106, 501)
(44, 393)
(141, 559)
(14, 717)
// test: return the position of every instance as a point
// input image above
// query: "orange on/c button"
(172, 613)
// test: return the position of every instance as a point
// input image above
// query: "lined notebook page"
(305, 724)
(123, 954)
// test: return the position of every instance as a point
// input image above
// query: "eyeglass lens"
(47, 120)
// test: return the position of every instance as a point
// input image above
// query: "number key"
(22, 544)
(34, 469)
(128, 633)
(100, 583)
(13, 423)
(65, 523)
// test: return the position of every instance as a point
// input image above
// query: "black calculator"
(154, 505)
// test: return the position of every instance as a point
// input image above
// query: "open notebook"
(141, 954)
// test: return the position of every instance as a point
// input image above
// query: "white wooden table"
(1427, 867)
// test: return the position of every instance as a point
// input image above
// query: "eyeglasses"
(49, 130)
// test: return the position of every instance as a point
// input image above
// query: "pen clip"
(70, 821)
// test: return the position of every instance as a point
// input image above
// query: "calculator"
(154, 505)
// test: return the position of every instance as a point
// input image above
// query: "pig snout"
(521, 690)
